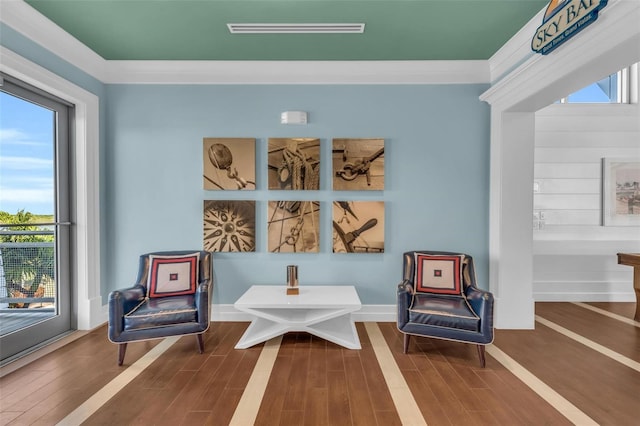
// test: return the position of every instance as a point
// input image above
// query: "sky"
(26, 156)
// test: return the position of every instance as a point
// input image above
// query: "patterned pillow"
(439, 274)
(172, 275)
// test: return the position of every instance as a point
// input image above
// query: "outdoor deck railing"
(29, 261)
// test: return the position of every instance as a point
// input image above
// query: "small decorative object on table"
(292, 280)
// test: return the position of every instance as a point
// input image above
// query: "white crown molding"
(298, 72)
(29, 22)
(516, 50)
(611, 43)
(32, 24)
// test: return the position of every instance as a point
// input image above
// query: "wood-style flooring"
(579, 366)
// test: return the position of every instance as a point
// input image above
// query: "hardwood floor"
(310, 381)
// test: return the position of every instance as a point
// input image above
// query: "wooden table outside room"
(633, 259)
(324, 311)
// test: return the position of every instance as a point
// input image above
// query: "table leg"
(339, 329)
(260, 330)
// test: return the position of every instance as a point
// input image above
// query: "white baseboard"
(580, 291)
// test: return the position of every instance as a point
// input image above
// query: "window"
(612, 89)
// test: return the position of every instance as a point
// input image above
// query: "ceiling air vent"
(296, 28)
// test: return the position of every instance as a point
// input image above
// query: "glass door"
(35, 219)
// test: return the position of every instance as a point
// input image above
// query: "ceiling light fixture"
(318, 28)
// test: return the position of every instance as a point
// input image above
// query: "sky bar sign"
(562, 20)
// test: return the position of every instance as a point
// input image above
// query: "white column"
(511, 235)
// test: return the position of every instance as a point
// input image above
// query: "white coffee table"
(324, 311)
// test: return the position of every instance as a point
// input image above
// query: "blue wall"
(436, 179)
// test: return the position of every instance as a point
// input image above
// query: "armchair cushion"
(443, 311)
(162, 311)
(438, 274)
(172, 275)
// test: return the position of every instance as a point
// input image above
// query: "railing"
(21, 265)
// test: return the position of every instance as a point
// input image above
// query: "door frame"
(85, 186)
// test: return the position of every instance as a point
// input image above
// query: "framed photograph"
(229, 225)
(293, 227)
(358, 164)
(294, 163)
(621, 191)
(229, 163)
(358, 227)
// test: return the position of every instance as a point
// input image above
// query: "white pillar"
(511, 203)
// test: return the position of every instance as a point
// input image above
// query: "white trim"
(516, 50)
(583, 291)
(602, 49)
(86, 190)
(32, 24)
(297, 72)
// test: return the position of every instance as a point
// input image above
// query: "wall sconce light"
(293, 117)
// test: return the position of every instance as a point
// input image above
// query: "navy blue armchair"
(438, 298)
(171, 297)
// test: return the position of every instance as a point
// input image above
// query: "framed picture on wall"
(358, 164)
(294, 163)
(621, 191)
(229, 163)
(293, 227)
(229, 225)
(358, 226)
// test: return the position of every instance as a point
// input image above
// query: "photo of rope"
(294, 163)
(293, 226)
(229, 226)
(358, 164)
(229, 163)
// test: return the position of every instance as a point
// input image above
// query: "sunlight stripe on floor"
(590, 344)
(557, 401)
(406, 405)
(247, 409)
(98, 399)
(608, 314)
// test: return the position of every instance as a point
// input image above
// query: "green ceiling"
(196, 29)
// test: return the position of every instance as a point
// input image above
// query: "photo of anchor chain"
(358, 227)
(229, 225)
(293, 227)
(294, 163)
(229, 163)
(358, 164)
